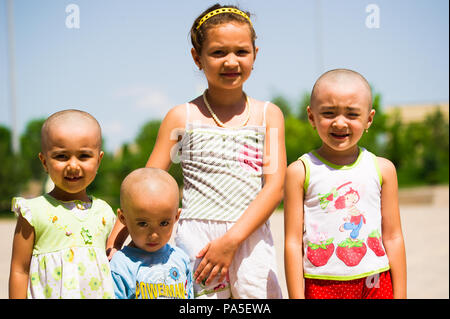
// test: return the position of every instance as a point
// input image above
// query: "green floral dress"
(69, 259)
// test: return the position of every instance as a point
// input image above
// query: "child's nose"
(73, 164)
(340, 122)
(153, 234)
(231, 60)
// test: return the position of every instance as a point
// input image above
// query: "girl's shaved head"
(68, 118)
(341, 76)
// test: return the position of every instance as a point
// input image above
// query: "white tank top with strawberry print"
(342, 218)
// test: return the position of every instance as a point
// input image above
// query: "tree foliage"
(10, 175)
(419, 150)
(30, 146)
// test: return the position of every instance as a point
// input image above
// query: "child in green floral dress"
(59, 241)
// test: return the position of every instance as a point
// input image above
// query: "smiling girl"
(232, 153)
(369, 262)
(60, 237)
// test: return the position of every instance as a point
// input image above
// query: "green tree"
(106, 184)
(145, 142)
(304, 102)
(419, 150)
(115, 168)
(394, 143)
(300, 138)
(30, 146)
(11, 178)
(283, 104)
(435, 149)
(374, 139)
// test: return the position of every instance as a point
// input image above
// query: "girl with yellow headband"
(232, 152)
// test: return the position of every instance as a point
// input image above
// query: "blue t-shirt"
(163, 274)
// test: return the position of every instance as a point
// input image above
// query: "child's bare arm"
(22, 250)
(391, 227)
(218, 254)
(169, 134)
(116, 238)
(293, 229)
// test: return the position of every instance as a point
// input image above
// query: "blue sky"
(129, 62)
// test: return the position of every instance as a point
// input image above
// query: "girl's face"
(71, 158)
(340, 115)
(227, 55)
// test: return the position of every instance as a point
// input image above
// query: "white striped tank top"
(222, 169)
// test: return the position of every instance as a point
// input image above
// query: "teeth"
(340, 135)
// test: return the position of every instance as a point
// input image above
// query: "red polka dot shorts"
(378, 286)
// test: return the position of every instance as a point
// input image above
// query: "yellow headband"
(219, 11)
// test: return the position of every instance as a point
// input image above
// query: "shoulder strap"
(264, 113)
(377, 166)
(187, 114)
(304, 159)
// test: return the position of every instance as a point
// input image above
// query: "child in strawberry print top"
(341, 204)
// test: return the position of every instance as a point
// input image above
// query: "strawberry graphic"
(325, 199)
(351, 251)
(318, 254)
(374, 243)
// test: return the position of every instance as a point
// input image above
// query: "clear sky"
(129, 61)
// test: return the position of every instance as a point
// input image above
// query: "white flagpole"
(319, 49)
(12, 75)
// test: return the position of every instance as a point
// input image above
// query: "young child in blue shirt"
(149, 267)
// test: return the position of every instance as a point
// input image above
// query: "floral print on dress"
(88, 270)
(71, 263)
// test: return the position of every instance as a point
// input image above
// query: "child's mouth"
(72, 178)
(231, 74)
(339, 136)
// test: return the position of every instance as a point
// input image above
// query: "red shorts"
(378, 286)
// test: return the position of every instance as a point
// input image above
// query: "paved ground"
(425, 226)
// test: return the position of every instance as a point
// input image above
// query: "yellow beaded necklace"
(219, 122)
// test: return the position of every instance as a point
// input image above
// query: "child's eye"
(218, 53)
(60, 157)
(142, 224)
(85, 156)
(164, 223)
(327, 113)
(353, 114)
(242, 52)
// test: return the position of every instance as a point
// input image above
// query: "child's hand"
(217, 257)
(110, 252)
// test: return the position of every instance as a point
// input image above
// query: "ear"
(310, 116)
(178, 214)
(196, 58)
(256, 53)
(121, 216)
(370, 118)
(43, 161)
(100, 156)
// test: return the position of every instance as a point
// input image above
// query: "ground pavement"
(425, 223)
